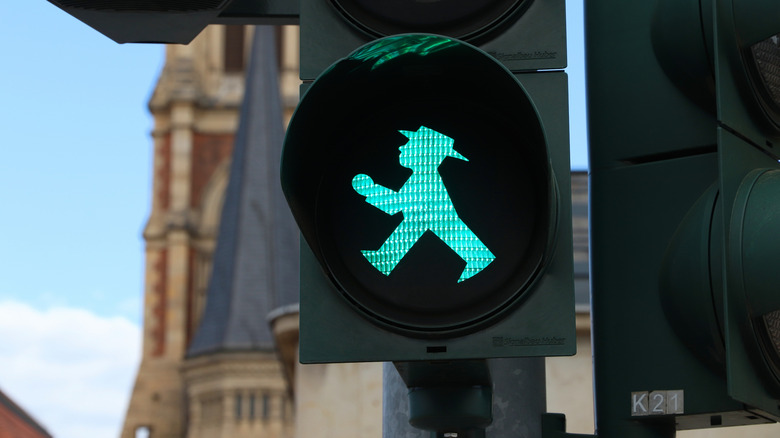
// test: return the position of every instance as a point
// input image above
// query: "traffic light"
(431, 183)
(525, 35)
(685, 204)
(173, 21)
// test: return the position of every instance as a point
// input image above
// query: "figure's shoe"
(379, 260)
(476, 265)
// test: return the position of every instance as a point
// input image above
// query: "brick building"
(16, 423)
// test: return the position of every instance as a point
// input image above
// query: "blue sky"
(576, 70)
(75, 162)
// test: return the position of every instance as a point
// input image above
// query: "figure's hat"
(435, 142)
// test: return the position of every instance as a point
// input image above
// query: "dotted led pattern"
(425, 204)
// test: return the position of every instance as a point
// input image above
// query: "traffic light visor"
(754, 236)
(464, 19)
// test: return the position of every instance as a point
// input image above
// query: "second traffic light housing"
(683, 137)
(742, 212)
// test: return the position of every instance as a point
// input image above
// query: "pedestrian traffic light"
(431, 186)
(683, 104)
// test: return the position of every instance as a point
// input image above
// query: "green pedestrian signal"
(425, 204)
(431, 186)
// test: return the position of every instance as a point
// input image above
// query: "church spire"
(255, 266)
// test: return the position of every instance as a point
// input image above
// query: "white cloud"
(69, 368)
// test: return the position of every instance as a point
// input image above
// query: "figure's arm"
(380, 197)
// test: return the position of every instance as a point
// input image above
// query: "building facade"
(196, 106)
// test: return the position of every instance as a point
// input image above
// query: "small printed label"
(506, 341)
(644, 403)
(525, 56)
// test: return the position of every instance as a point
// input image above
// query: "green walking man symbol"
(425, 204)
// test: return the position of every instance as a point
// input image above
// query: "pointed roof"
(255, 268)
(16, 423)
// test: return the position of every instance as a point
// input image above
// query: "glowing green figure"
(425, 204)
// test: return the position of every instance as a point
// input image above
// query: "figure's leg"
(395, 248)
(467, 245)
